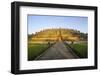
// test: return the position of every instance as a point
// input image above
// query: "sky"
(37, 23)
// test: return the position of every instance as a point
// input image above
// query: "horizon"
(38, 23)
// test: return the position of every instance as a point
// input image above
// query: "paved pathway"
(58, 51)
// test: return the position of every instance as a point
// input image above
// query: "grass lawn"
(81, 49)
(35, 50)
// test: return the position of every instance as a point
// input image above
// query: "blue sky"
(40, 22)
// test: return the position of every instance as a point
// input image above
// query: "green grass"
(81, 49)
(35, 50)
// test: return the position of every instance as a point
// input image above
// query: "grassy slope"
(35, 50)
(81, 49)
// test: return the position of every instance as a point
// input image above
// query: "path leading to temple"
(58, 51)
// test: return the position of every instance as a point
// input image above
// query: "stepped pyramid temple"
(57, 34)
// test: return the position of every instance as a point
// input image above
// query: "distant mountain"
(56, 34)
